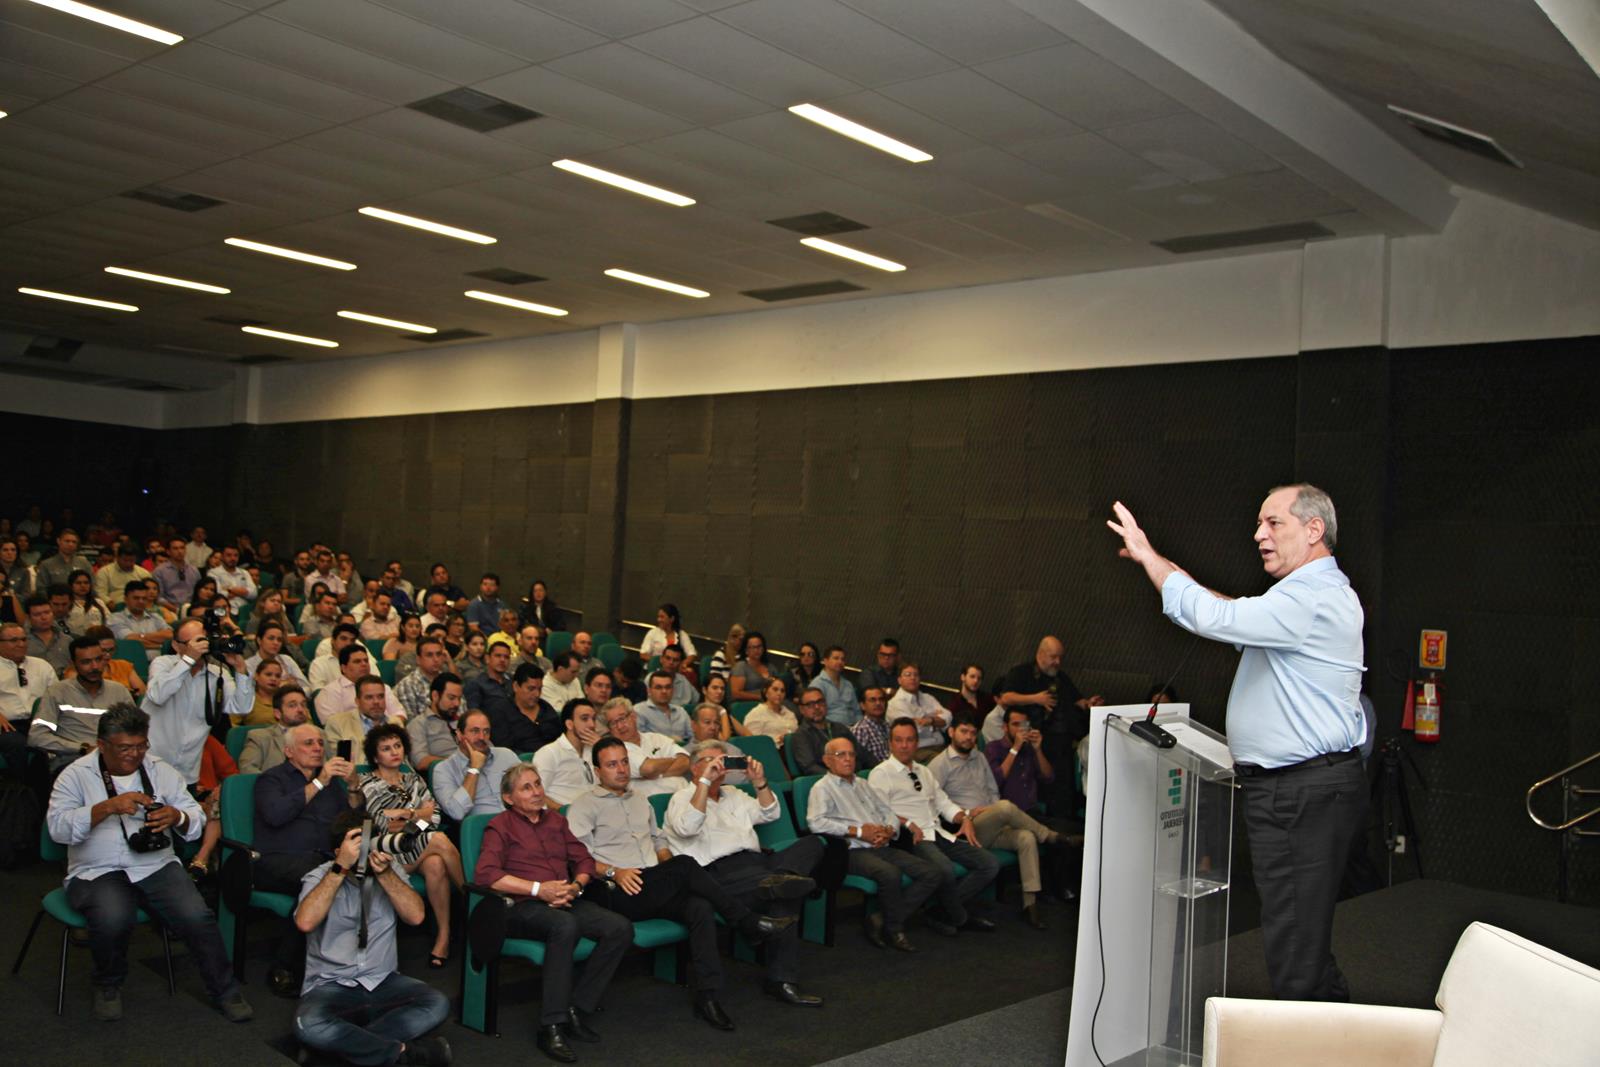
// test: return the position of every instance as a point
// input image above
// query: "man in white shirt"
(438, 611)
(382, 621)
(323, 572)
(197, 553)
(561, 681)
(23, 679)
(930, 717)
(563, 765)
(106, 796)
(233, 581)
(355, 724)
(341, 695)
(111, 581)
(717, 827)
(324, 670)
(187, 695)
(656, 762)
(363, 607)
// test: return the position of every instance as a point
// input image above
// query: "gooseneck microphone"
(1146, 729)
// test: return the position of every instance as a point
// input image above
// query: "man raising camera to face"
(118, 809)
(189, 695)
(354, 1004)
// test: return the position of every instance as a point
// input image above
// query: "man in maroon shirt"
(529, 853)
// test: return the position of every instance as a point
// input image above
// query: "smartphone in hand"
(343, 749)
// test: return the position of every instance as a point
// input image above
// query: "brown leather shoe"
(1034, 918)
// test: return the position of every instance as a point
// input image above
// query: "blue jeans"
(110, 904)
(369, 1027)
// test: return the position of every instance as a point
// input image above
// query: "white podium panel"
(1153, 914)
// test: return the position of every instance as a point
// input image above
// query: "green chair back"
(764, 749)
(239, 807)
(779, 833)
(601, 637)
(237, 736)
(49, 848)
(375, 647)
(740, 708)
(135, 653)
(659, 802)
(309, 649)
(610, 655)
(558, 642)
(802, 799)
(386, 668)
(472, 841)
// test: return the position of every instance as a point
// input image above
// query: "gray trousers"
(1299, 824)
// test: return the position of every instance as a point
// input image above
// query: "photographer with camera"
(118, 809)
(190, 695)
(354, 1003)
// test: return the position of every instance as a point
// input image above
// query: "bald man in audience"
(1060, 712)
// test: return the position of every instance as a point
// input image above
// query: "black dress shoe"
(784, 886)
(902, 942)
(979, 923)
(790, 993)
(282, 983)
(872, 927)
(578, 1026)
(1033, 917)
(552, 1041)
(760, 928)
(707, 1008)
(939, 926)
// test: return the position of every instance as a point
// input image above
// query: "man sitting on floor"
(354, 1003)
(92, 807)
(717, 828)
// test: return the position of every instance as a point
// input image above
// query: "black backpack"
(20, 817)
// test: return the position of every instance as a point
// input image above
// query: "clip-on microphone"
(1146, 728)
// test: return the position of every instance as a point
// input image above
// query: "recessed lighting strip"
(116, 22)
(425, 224)
(162, 279)
(632, 185)
(833, 248)
(496, 298)
(297, 338)
(289, 253)
(379, 320)
(655, 283)
(857, 132)
(70, 298)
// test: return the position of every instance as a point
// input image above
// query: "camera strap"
(368, 883)
(111, 787)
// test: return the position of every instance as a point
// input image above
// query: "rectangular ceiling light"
(431, 227)
(572, 166)
(525, 305)
(378, 320)
(835, 249)
(857, 132)
(162, 279)
(299, 339)
(116, 22)
(654, 283)
(91, 301)
(289, 253)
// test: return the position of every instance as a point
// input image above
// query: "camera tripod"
(1393, 803)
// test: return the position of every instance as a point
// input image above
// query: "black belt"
(1250, 770)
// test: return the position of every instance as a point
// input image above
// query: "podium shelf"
(1192, 888)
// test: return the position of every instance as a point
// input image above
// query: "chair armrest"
(1269, 1033)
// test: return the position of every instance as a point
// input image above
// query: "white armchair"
(1503, 1001)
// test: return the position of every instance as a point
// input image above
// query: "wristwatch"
(334, 868)
(610, 873)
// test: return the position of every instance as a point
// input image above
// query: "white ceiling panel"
(1004, 175)
(1191, 147)
(377, 30)
(555, 139)
(572, 101)
(21, 136)
(663, 170)
(20, 81)
(736, 59)
(291, 193)
(941, 192)
(263, 81)
(971, 31)
(836, 38)
(413, 129)
(1275, 195)
(630, 73)
(731, 157)
(137, 118)
(363, 180)
(1079, 85)
(811, 146)
(955, 239)
(870, 207)
(977, 106)
(64, 58)
(145, 84)
(621, 18)
(506, 25)
(1087, 162)
(263, 38)
(1030, 230)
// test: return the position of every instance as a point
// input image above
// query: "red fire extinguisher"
(1429, 701)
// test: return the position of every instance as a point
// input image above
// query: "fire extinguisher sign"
(1431, 652)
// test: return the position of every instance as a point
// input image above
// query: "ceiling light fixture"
(300, 339)
(632, 185)
(112, 304)
(379, 320)
(116, 22)
(431, 227)
(2, 114)
(162, 279)
(857, 132)
(525, 305)
(654, 283)
(835, 249)
(288, 253)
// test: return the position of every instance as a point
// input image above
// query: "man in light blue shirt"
(660, 715)
(468, 783)
(103, 804)
(843, 706)
(1295, 724)
(188, 694)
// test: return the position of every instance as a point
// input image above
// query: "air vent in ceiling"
(228, 321)
(176, 199)
(444, 335)
(1261, 235)
(798, 292)
(259, 359)
(818, 224)
(474, 110)
(1457, 136)
(54, 349)
(505, 276)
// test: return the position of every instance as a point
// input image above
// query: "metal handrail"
(1559, 776)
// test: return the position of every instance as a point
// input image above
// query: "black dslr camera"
(146, 839)
(221, 645)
